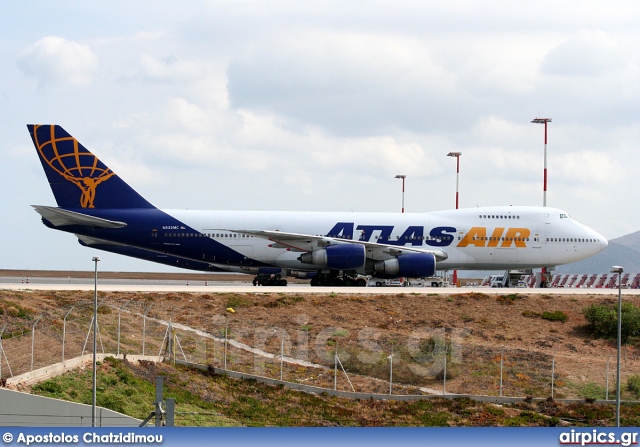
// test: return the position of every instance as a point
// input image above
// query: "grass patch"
(237, 301)
(285, 300)
(508, 299)
(556, 315)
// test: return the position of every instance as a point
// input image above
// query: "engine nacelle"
(302, 274)
(411, 265)
(338, 257)
(263, 270)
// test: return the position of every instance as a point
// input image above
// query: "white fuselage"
(510, 237)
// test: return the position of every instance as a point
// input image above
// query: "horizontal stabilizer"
(92, 241)
(60, 218)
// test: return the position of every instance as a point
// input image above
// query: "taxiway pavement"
(156, 285)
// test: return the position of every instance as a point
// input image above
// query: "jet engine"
(411, 265)
(338, 257)
(302, 274)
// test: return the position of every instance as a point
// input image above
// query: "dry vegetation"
(476, 330)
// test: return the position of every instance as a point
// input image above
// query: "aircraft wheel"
(282, 282)
(337, 282)
(348, 282)
(315, 281)
(361, 282)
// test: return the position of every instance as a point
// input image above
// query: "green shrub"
(556, 315)
(602, 319)
(633, 384)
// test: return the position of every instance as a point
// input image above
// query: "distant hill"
(623, 251)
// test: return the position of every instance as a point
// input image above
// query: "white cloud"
(588, 53)
(54, 59)
(168, 69)
(346, 82)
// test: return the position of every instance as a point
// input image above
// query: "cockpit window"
(564, 216)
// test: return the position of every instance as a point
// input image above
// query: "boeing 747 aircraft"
(104, 212)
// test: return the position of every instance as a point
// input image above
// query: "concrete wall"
(26, 410)
(38, 375)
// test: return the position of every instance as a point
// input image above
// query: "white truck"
(498, 280)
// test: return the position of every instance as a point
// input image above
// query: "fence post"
(444, 378)
(501, 366)
(606, 397)
(553, 370)
(64, 331)
(391, 371)
(281, 355)
(226, 332)
(4, 354)
(33, 334)
(144, 326)
(1, 349)
(335, 368)
(120, 312)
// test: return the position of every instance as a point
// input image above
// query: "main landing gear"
(269, 280)
(335, 280)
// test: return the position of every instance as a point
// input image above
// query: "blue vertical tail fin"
(77, 177)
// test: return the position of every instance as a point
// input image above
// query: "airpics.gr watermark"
(595, 437)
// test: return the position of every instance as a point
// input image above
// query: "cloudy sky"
(317, 105)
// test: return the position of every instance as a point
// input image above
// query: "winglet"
(77, 177)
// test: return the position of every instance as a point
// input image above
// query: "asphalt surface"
(159, 285)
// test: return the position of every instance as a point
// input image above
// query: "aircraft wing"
(306, 242)
(60, 217)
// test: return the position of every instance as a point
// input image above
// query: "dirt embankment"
(478, 331)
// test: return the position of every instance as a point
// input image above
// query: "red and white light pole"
(544, 121)
(544, 196)
(457, 155)
(402, 176)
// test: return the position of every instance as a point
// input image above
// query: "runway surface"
(157, 285)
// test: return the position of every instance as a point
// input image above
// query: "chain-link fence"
(428, 360)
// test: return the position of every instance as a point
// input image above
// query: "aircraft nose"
(602, 241)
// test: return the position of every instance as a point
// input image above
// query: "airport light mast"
(402, 176)
(618, 269)
(95, 259)
(457, 155)
(544, 121)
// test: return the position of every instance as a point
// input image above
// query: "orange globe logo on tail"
(75, 164)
